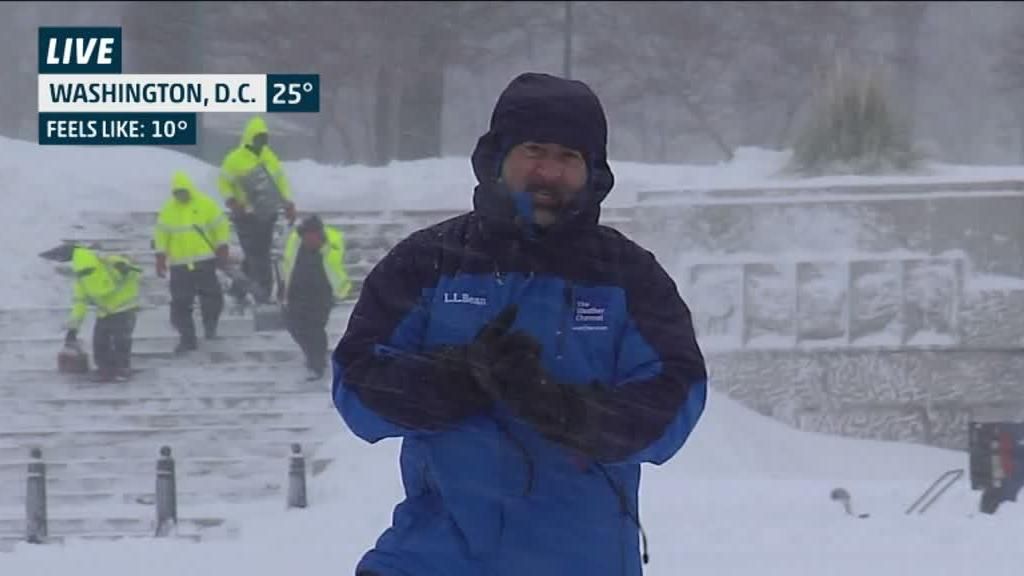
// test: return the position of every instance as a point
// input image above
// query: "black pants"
(112, 341)
(256, 236)
(307, 323)
(185, 286)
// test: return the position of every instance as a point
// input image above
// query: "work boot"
(103, 375)
(185, 345)
(211, 332)
(314, 372)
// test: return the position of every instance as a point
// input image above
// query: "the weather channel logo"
(85, 99)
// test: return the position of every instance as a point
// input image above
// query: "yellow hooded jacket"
(242, 160)
(110, 283)
(333, 254)
(180, 228)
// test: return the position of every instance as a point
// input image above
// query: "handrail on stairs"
(950, 477)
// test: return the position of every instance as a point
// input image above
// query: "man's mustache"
(553, 192)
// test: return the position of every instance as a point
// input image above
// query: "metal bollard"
(35, 499)
(166, 494)
(297, 478)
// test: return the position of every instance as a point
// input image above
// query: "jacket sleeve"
(384, 383)
(218, 228)
(336, 273)
(291, 247)
(226, 179)
(161, 235)
(274, 168)
(660, 386)
(79, 307)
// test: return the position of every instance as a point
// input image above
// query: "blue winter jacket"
(485, 493)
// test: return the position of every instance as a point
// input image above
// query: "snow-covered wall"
(879, 310)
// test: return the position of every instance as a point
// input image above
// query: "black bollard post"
(297, 478)
(35, 499)
(166, 494)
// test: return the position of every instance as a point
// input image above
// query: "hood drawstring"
(634, 516)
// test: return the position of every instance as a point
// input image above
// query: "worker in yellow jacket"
(313, 270)
(191, 241)
(255, 190)
(110, 284)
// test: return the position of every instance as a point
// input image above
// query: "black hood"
(544, 108)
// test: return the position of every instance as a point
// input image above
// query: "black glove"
(457, 386)
(71, 337)
(484, 350)
(520, 381)
(124, 268)
(507, 367)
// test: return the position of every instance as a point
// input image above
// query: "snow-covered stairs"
(229, 411)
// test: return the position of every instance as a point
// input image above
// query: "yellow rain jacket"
(110, 283)
(180, 228)
(241, 161)
(333, 254)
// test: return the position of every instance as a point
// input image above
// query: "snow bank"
(746, 495)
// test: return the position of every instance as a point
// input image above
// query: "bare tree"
(1010, 69)
(674, 52)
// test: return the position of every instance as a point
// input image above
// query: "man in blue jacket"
(529, 358)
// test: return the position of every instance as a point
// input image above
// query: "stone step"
(140, 419)
(8, 542)
(127, 525)
(226, 467)
(141, 359)
(63, 483)
(134, 493)
(360, 256)
(142, 442)
(142, 343)
(172, 378)
(152, 320)
(98, 402)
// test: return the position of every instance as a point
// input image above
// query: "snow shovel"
(271, 317)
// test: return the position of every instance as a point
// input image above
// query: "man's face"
(551, 173)
(182, 195)
(260, 140)
(313, 239)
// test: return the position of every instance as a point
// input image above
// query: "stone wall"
(861, 311)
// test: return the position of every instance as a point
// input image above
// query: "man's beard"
(548, 204)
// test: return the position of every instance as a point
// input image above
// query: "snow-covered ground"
(747, 495)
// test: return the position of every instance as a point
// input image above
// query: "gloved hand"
(222, 256)
(237, 210)
(507, 367)
(483, 351)
(161, 265)
(519, 380)
(459, 386)
(289, 212)
(71, 338)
